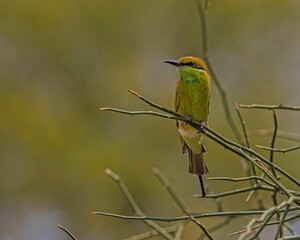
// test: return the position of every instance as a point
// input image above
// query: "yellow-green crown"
(193, 62)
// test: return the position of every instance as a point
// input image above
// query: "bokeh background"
(62, 60)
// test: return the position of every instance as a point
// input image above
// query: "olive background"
(60, 61)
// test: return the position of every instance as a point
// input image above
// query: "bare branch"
(135, 207)
(283, 150)
(67, 232)
(269, 107)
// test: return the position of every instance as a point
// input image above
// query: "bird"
(192, 101)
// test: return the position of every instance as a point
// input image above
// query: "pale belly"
(191, 137)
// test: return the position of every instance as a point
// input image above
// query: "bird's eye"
(199, 67)
(193, 65)
(189, 64)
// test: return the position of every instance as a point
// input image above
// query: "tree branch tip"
(155, 170)
(103, 108)
(133, 92)
(199, 196)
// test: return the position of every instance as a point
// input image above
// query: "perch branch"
(214, 135)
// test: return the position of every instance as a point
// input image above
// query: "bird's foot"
(188, 120)
(201, 127)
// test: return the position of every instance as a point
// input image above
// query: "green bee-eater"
(192, 101)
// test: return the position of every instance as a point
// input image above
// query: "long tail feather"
(202, 186)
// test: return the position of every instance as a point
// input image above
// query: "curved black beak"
(173, 62)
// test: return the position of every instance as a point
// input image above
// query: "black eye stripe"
(193, 65)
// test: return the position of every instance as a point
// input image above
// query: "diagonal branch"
(234, 147)
(135, 207)
(67, 232)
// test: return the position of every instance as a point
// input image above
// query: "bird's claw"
(189, 120)
(201, 127)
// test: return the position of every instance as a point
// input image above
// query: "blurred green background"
(62, 60)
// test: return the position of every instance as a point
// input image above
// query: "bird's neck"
(190, 75)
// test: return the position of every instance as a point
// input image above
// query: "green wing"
(177, 97)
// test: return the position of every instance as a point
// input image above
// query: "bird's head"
(188, 63)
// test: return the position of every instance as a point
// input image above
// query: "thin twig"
(181, 218)
(270, 107)
(265, 218)
(67, 232)
(135, 207)
(274, 195)
(236, 191)
(166, 183)
(256, 194)
(182, 205)
(202, 227)
(296, 237)
(218, 226)
(243, 179)
(279, 229)
(213, 71)
(268, 224)
(152, 233)
(282, 150)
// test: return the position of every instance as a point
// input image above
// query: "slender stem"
(202, 227)
(166, 183)
(243, 179)
(152, 233)
(237, 191)
(296, 237)
(200, 215)
(138, 112)
(152, 104)
(213, 71)
(263, 225)
(265, 218)
(282, 150)
(274, 139)
(270, 107)
(67, 232)
(274, 195)
(179, 231)
(182, 205)
(279, 229)
(268, 224)
(135, 207)
(202, 15)
(256, 182)
(218, 226)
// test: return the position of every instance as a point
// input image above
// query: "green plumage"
(192, 101)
